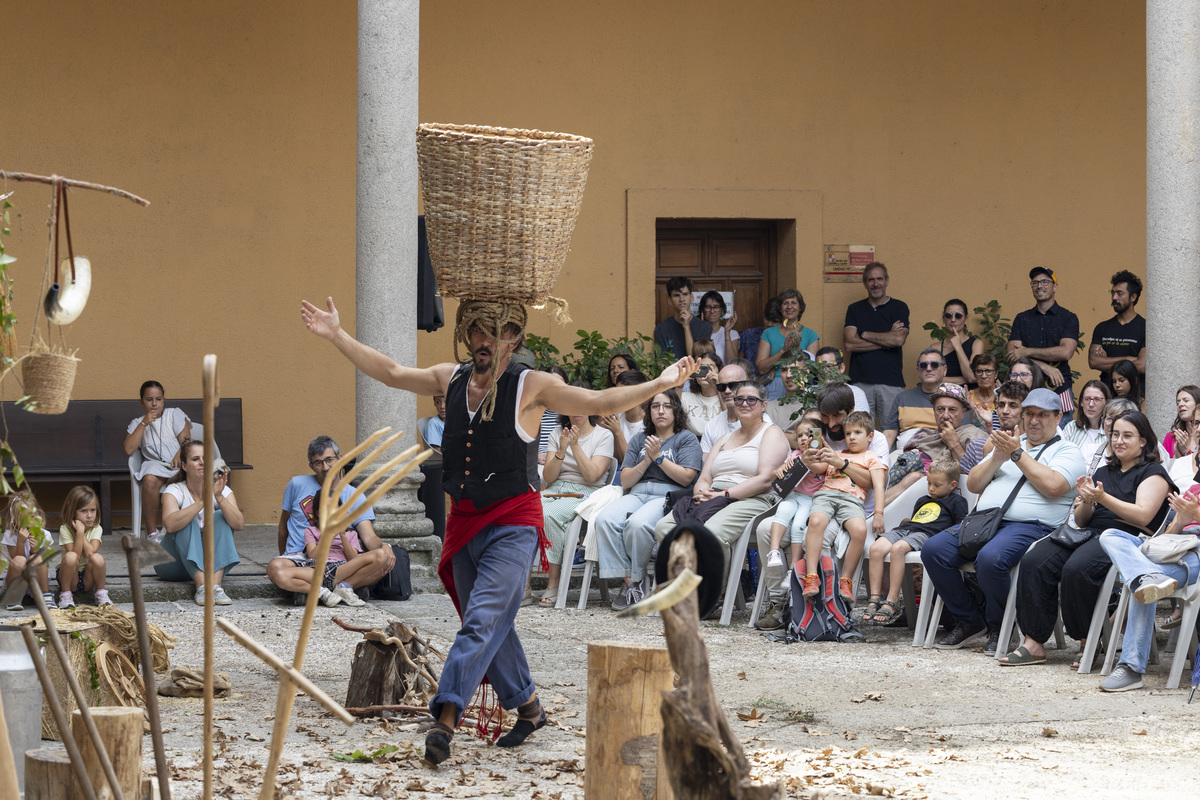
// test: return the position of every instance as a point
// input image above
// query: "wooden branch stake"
(50, 179)
(334, 517)
(56, 709)
(278, 664)
(211, 400)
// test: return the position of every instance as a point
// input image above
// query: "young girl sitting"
(791, 515)
(82, 566)
(24, 512)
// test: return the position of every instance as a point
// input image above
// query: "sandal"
(1079, 655)
(548, 598)
(883, 617)
(872, 609)
(1021, 657)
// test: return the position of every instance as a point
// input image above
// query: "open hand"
(1005, 443)
(1090, 492)
(729, 323)
(325, 324)
(1185, 506)
(678, 373)
(610, 422)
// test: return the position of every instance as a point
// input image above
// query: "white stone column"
(1172, 203)
(387, 250)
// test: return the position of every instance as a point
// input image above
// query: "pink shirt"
(312, 535)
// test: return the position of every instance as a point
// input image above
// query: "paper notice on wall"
(844, 263)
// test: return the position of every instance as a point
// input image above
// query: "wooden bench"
(86, 444)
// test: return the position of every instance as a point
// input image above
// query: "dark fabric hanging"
(429, 302)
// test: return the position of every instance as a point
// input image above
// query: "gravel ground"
(830, 720)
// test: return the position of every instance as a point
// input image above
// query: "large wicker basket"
(500, 207)
(48, 379)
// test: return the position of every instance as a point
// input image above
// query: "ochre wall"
(237, 121)
(967, 142)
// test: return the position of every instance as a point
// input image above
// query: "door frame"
(798, 242)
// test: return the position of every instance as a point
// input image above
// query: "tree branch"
(50, 179)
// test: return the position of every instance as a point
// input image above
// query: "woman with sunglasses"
(959, 347)
(724, 337)
(740, 468)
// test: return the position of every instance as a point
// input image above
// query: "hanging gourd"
(65, 301)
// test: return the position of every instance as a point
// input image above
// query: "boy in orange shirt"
(848, 474)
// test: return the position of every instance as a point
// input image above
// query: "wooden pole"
(8, 766)
(121, 730)
(625, 686)
(211, 399)
(47, 775)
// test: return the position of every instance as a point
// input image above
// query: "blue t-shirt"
(434, 431)
(298, 500)
(775, 339)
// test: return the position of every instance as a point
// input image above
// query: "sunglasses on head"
(929, 365)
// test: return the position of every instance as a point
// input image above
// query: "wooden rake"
(333, 519)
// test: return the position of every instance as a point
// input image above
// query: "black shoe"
(961, 634)
(993, 643)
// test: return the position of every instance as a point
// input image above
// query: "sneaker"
(158, 535)
(959, 636)
(102, 598)
(48, 599)
(775, 568)
(348, 596)
(328, 598)
(1122, 679)
(812, 585)
(65, 600)
(992, 643)
(15, 607)
(199, 596)
(772, 618)
(846, 590)
(220, 598)
(630, 593)
(1152, 588)
(775, 558)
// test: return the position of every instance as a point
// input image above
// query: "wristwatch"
(659, 460)
(1016, 455)
(727, 497)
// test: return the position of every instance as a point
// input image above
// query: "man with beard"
(1046, 333)
(835, 401)
(493, 413)
(1123, 336)
(1009, 397)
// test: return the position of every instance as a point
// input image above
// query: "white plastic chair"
(423, 429)
(1190, 596)
(572, 537)
(135, 490)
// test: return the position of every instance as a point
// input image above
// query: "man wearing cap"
(1048, 334)
(1049, 466)
(912, 411)
(950, 406)
(494, 532)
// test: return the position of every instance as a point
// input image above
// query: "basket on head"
(500, 207)
(48, 379)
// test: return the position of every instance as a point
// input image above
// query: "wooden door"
(723, 254)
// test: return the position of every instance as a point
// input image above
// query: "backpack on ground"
(397, 584)
(825, 617)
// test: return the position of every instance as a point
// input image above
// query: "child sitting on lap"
(850, 473)
(791, 514)
(933, 513)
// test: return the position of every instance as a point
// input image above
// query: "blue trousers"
(489, 576)
(993, 568)
(186, 545)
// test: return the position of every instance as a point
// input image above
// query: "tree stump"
(389, 669)
(48, 775)
(121, 731)
(623, 723)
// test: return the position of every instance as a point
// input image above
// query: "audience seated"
(1086, 430)
(292, 570)
(436, 425)
(1009, 397)
(1050, 467)
(912, 410)
(1184, 436)
(625, 426)
(663, 457)
(950, 438)
(1126, 382)
(983, 397)
(158, 434)
(728, 379)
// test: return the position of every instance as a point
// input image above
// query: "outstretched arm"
(551, 392)
(372, 363)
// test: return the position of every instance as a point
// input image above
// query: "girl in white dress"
(158, 434)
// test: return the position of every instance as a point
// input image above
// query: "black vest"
(486, 462)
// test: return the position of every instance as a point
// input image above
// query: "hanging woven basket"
(500, 207)
(48, 379)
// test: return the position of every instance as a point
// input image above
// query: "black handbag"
(979, 527)
(687, 508)
(1071, 537)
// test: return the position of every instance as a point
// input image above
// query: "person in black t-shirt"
(1123, 336)
(1047, 334)
(676, 333)
(875, 332)
(933, 513)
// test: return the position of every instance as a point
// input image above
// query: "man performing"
(493, 412)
